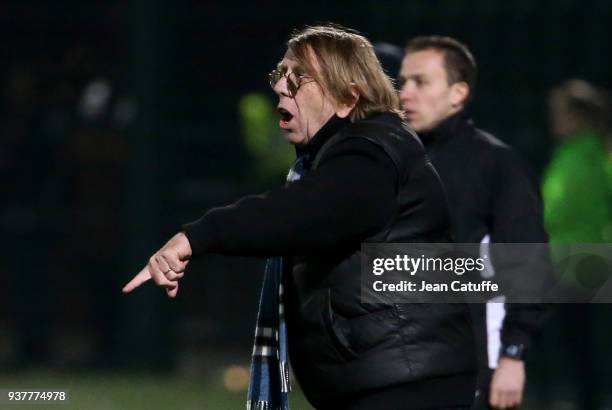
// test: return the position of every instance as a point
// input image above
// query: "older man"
(361, 176)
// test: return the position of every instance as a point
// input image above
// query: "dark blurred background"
(121, 120)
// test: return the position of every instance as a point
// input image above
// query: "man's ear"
(459, 93)
(344, 109)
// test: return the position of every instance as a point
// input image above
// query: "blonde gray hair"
(345, 62)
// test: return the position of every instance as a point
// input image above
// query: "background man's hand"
(165, 267)
(507, 384)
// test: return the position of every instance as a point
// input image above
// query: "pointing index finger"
(142, 276)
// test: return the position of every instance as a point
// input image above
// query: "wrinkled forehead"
(291, 62)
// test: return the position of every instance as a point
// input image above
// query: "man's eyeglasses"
(294, 81)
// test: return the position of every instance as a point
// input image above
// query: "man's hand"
(165, 267)
(507, 384)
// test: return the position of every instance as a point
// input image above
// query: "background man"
(492, 197)
(361, 176)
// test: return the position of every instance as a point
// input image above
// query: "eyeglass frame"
(275, 76)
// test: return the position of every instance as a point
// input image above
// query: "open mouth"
(286, 116)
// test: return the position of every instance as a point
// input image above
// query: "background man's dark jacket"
(491, 194)
(370, 182)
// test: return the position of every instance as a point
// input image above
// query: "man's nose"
(280, 88)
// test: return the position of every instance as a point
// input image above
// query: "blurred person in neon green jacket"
(577, 196)
(608, 166)
(577, 190)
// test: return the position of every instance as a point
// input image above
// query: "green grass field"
(125, 391)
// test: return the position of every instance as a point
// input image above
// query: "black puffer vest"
(340, 347)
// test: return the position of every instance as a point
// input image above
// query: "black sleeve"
(349, 196)
(518, 218)
(517, 202)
